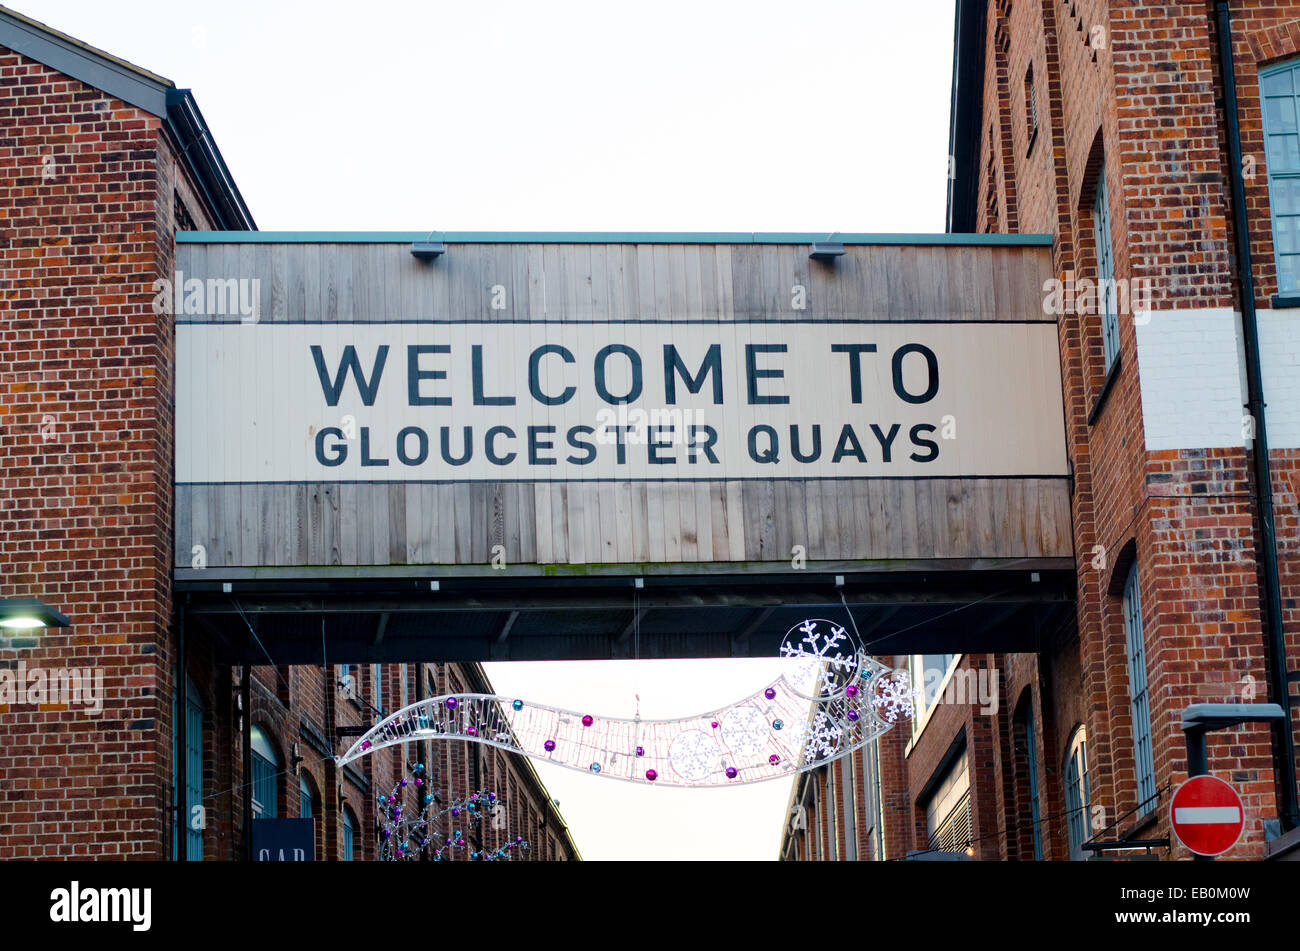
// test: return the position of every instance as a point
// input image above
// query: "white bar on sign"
(1206, 815)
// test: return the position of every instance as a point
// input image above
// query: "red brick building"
(101, 162)
(1109, 126)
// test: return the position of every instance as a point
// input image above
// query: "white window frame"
(916, 666)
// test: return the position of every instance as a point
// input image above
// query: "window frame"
(921, 716)
(264, 807)
(1139, 693)
(1031, 108)
(349, 836)
(1291, 295)
(188, 736)
(308, 800)
(1104, 258)
(1031, 760)
(1078, 794)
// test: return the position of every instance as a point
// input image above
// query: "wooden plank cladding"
(623, 523)
(301, 282)
(270, 446)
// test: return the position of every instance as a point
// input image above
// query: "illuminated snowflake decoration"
(826, 655)
(693, 755)
(744, 730)
(893, 696)
(831, 699)
(821, 737)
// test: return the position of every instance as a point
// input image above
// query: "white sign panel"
(578, 401)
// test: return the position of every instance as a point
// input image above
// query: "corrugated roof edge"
(606, 237)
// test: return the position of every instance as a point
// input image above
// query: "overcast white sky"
(606, 116)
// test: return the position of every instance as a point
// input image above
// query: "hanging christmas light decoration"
(409, 832)
(833, 699)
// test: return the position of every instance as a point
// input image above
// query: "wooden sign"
(348, 404)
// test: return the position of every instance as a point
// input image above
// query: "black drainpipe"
(1283, 740)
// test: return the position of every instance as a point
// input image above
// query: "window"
(189, 744)
(1031, 757)
(307, 804)
(1279, 90)
(1139, 705)
(349, 835)
(1106, 290)
(345, 680)
(266, 776)
(929, 671)
(947, 811)
(1031, 108)
(1078, 794)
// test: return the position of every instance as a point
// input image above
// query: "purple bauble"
(549, 746)
(853, 715)
(651, 775)
(587, 720)
(452, 703)
(851, 690)
(714, 724)
(774, 759)
(770, 693)
(732, 772)
(640, 751)
(471, 731)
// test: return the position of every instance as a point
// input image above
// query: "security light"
(25, 614)
(826, 250)
(427, 250)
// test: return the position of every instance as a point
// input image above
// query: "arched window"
(266, 776)
(349, 835)
(1078, 794)
(308, 802)
(1026, 749)
(1139, 702)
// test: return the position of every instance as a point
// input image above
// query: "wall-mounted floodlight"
(826, 250)
(427, 250)
(25, 614)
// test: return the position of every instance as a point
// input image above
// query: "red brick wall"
(1140, 78)
(85, 488)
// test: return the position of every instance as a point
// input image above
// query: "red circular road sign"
(1207, 815)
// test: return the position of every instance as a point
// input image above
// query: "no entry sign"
(1207, 815)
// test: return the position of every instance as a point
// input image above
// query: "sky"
(567, 116)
